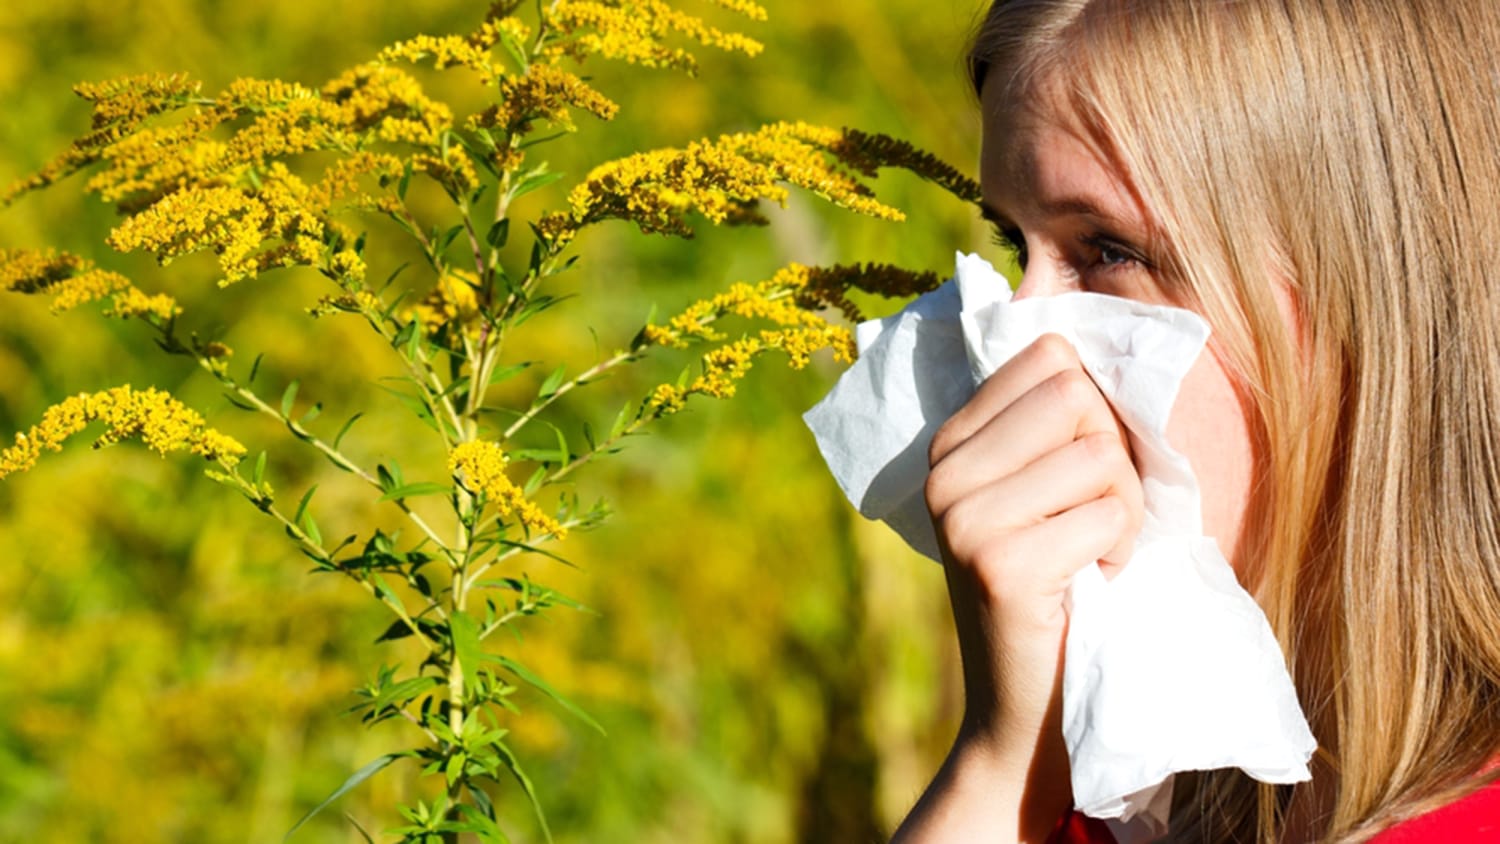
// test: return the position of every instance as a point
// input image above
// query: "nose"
(1039, 278)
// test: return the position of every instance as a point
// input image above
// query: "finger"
(1051, 414)
(1045, 357)
(1040, 561)
(1091, 467)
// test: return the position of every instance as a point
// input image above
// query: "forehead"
(1036, 157)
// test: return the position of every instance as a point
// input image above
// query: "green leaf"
(312, 413)
(239, 404)
(288, 397)
(260, 469)
(502, 373)
(405, 183)
(549, 387)
(355, 779)
(338, 438)
(302, 505)
(498, 234)
(535, 180)
(310, 527)
(481, 824)
(417, 490)
(542, 686)
(361, 830)
(404, 334)
(466, 647)
(254, 368)
(514, 766)
(448, 237)
(403, 692)
(454, 767)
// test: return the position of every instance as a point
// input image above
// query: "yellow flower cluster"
(773, 300)
(445, 51)
(544, 92)
(134, 98)
(389, 104)
(340, 180)
(634, 31)
(788, 300)
(724, 367)
(358, 302)
(156, 418)
(156, 160)
(500, 26)
(452, 303)
(452, 168)
(234, 223)
(480, 467)
(719, 179)
(72, 281)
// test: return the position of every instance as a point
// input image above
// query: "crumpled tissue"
(1171, 665)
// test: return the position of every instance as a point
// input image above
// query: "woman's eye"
(1110, 254)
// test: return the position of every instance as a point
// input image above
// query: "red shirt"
(1472, 818)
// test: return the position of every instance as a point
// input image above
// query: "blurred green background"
(769, 667)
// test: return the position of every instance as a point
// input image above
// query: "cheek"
(1209, 426)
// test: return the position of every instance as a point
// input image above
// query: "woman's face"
(1079, 226)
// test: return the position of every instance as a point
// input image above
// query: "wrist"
(987, 791)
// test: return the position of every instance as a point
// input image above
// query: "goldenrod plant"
(267, 174)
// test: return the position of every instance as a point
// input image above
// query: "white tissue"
(1171, 666)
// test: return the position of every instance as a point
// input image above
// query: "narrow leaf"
(254, 368)
(416, 490)
(338, 438)
(542, 686)
(355, 779)
(466, 648)
(288, 397)
(553, 382)
(302, 505)
(514, 766)
(498, 234)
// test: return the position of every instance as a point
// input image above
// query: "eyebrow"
(1056, 208)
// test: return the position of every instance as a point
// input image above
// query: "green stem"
(583, 378)
(319, 553)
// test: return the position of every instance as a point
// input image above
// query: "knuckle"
(1055, 352)
(935, 489)
(1107, 450)
(1072, 390)
(944, 441)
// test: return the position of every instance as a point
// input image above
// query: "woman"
(1320, 179)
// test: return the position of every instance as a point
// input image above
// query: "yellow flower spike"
(452, 302)
(388, 103)
(445, 51)
(131, 99)
(546, 93)
(73, 281)
(720, 179)
(160, 421)
(666, 399)
(479, 466)
(348, 266)
(633, 31)
(494, 30)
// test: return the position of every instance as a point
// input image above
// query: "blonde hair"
(1350, 150)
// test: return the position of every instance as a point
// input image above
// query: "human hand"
(1031, 481)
